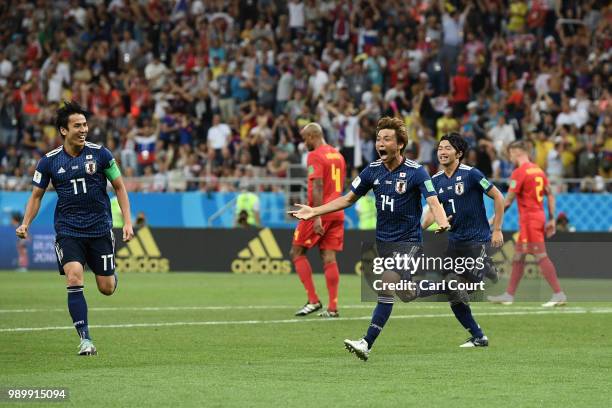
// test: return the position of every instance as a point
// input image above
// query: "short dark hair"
(458, 143)
(63, 114)
(401, 134)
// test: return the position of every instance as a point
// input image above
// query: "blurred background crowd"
(191, 91)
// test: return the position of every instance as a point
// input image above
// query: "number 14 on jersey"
(386, 203)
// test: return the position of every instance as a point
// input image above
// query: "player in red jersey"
(326, 174)
(529, 185)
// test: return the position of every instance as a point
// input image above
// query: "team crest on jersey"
(90, 167)
(400, 186)
(459, 189)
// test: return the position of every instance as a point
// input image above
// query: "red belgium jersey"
(327, 163)
(528, 182)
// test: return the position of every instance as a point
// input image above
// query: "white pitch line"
(287, 321)
(369, 305)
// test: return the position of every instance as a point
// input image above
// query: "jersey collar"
(454, 172)
(71, 156)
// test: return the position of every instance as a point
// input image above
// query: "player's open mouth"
(382, 154)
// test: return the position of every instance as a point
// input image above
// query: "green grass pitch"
(222, 340)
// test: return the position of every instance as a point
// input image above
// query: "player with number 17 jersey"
(80, 171)
(83, 206)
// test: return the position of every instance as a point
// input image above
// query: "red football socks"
(518, 268)
(332, 277)
(304, 271)
(550, 274)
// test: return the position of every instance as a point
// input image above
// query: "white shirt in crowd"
(571, 118)
(453, 30)
(541, 83)
(554, 165)
(351, 136)
(6, 69)
(54, 91)
(155, 74)
(502, 136)
(296, 14)
(218, 136)
(317, 82)
(285, 87)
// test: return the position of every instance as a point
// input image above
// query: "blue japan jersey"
(83, 207)
(462, 197)
(398, 198)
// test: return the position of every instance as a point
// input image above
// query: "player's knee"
(296, 252)
(107, 286)
(407, 295)
(540, 257)
(385, 293)
(328, 257)
(74, 281)
(74, 277)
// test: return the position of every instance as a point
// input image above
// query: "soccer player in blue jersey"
(460, 189)
(398, 185)
(79, 171)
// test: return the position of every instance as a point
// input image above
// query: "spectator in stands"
(446, 123)
(175, 66)
(218, 137)
(563, 223)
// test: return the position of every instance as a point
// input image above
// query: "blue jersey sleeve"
(106, 157)
(42, 175)
(362, 183)
(478, 179)
(424, 182)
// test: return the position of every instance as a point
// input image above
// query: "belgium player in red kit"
(529, 185)
(326, 174)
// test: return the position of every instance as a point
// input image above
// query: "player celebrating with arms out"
(326, 174)
(79, 171)
(529, 185)
(398, 184)
(460, 189)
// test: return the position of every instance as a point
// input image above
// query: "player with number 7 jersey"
(79, 171)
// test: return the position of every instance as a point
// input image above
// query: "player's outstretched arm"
(497, 238)
(124, 204)
(31, 211)
(305, 212)
(439, 214)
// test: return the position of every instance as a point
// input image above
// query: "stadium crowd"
(220, 88)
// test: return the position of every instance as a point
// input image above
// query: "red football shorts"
(332, 238)
(531, 237)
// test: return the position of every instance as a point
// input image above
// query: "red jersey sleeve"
(315, 166)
